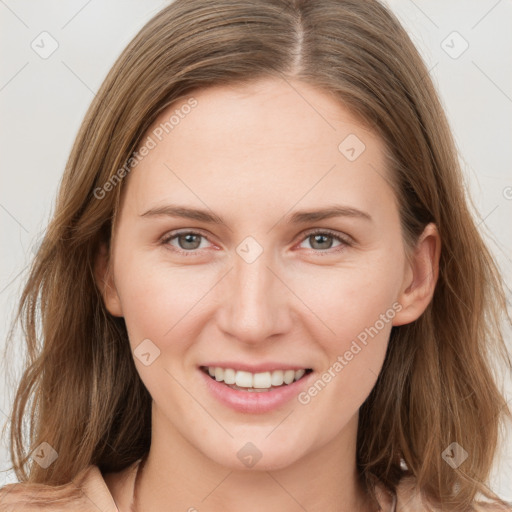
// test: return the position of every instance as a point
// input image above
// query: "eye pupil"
(189, 239)
(317, 239)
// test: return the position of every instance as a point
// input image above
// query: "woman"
(262, 286)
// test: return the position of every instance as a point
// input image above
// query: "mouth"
(261, 382)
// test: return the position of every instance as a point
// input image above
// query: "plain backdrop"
(43, 97)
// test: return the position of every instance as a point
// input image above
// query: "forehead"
(272, 140)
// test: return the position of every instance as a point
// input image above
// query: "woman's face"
(216, 264)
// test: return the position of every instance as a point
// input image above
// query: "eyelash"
(345, 241)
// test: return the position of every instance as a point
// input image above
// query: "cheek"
(355, 308)
(348, 301)
(160, 302)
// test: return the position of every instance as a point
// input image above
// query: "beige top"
(96, 496)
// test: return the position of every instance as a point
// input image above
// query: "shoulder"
(491, 507)
(408, 498)
(87, 492)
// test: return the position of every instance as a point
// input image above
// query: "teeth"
(229, 376)
(276, 378)
(289, 376)
(253, 381)
(242, 379)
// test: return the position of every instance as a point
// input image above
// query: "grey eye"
(189, 241)
(321, 241)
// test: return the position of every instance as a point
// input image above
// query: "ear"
(105, 281)
(420, 277)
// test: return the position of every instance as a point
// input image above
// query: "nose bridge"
(254, 300)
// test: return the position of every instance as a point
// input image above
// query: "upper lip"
(255, 368)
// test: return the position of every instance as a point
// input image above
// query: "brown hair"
(437, 385)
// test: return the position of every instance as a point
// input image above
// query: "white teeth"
(299, 374)
(289, 376)
(263, 380)
(243, 379)
(229, 376)
(277, 378)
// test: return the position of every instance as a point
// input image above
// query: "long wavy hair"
(80, 391)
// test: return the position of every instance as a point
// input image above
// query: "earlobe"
(420, 277)
(105, 282)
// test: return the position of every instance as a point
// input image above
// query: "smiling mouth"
(255, 382)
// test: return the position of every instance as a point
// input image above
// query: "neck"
(176, 473)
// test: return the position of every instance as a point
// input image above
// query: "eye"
(187, 242)
(322, 241)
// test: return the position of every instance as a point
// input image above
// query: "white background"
(43, 101)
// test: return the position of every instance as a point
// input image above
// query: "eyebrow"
(298, 217)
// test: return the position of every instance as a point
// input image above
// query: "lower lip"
(254, 402)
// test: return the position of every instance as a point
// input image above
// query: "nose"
(255, 302)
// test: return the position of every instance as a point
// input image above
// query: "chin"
(254, 456)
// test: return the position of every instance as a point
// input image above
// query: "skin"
(254, 155)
